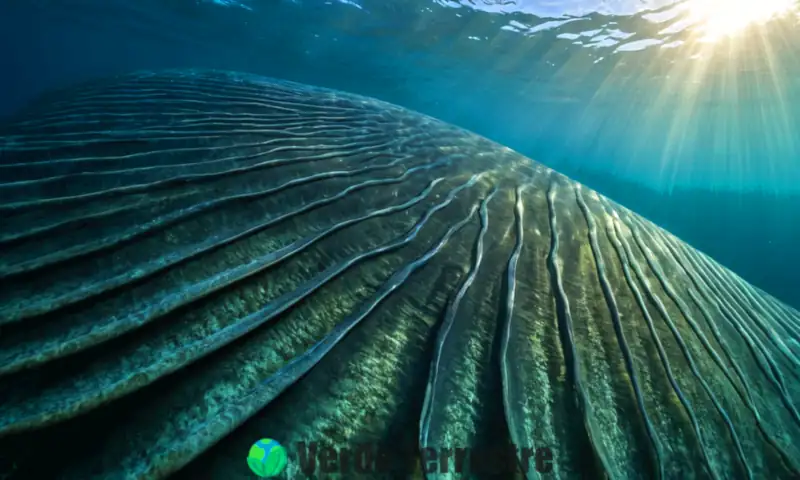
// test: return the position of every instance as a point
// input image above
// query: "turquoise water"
(629, 97)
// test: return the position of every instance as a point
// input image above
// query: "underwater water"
(357, 228)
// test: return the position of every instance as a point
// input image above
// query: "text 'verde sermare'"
(368, 458)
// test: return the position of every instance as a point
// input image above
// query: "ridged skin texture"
(194, 260)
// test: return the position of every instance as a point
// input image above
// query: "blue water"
(628, 97)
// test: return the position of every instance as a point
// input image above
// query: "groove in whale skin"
(761, 352)
(165, 262)
(752, 344)
(49, 344)
(574, 366)
(458, 371)
(693, 366)
(623, 343)
(742, 383)
(174, 216)
(516, 423)
(171, 359)
(195, 259)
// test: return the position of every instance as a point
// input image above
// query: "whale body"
(193, 260)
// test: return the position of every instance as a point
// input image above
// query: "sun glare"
(720, 18)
